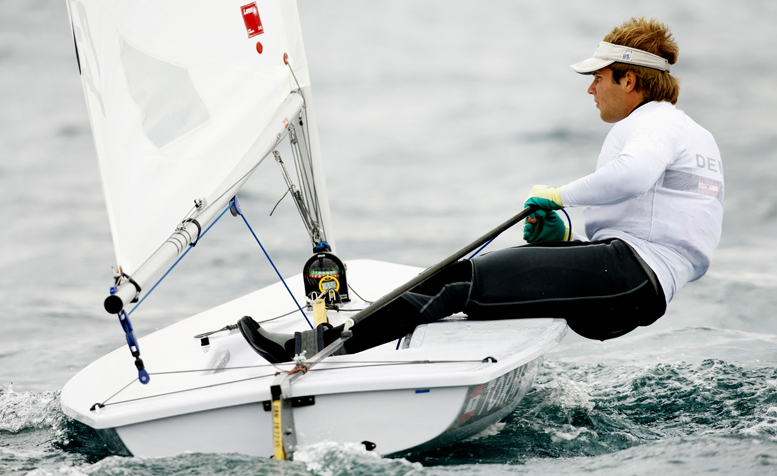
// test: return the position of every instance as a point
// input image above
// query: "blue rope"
(569, 220)
(178, 261)
(481, 248)
(276, 270)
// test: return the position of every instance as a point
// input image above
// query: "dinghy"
(186, 99)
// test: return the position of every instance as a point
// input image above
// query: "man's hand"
(547, 198)
(543, 226)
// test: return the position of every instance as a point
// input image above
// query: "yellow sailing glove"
(547, 198)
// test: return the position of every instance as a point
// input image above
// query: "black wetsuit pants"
(602, 289)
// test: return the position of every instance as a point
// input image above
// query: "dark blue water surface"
(436, 118)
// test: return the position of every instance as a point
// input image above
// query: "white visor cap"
(608, 53)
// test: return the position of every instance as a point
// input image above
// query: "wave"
(28, 410)
(577, 415)
(577, 410)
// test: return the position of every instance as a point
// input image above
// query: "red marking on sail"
(476, 391)
(251, 19)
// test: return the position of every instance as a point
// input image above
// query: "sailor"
(654, 207)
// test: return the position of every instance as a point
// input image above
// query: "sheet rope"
(239, 212)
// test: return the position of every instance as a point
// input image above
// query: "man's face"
(611, 98)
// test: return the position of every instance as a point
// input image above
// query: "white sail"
(178, 92)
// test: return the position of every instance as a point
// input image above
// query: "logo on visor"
(626, 55)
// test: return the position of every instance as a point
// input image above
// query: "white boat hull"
(392, 420)
(450, 380)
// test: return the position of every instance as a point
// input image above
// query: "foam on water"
(27, 410)
(351, 459)
(184, 464)
(578, 415)
(490, 431)
(621, 407)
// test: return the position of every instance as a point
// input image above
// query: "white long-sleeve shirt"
(658, 186)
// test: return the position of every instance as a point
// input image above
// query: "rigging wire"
(279, 201)
(345, 366)
(311, 190)
(357, 295)
(305, 178)
(302, 177)
(297, 196)
(232, 327)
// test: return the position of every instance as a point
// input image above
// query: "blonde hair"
(654, 37)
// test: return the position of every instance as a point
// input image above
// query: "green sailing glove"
(544, 225)
(547, 198)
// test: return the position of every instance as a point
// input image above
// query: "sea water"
(436, 118)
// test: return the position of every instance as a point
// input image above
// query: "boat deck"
(186, 378)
